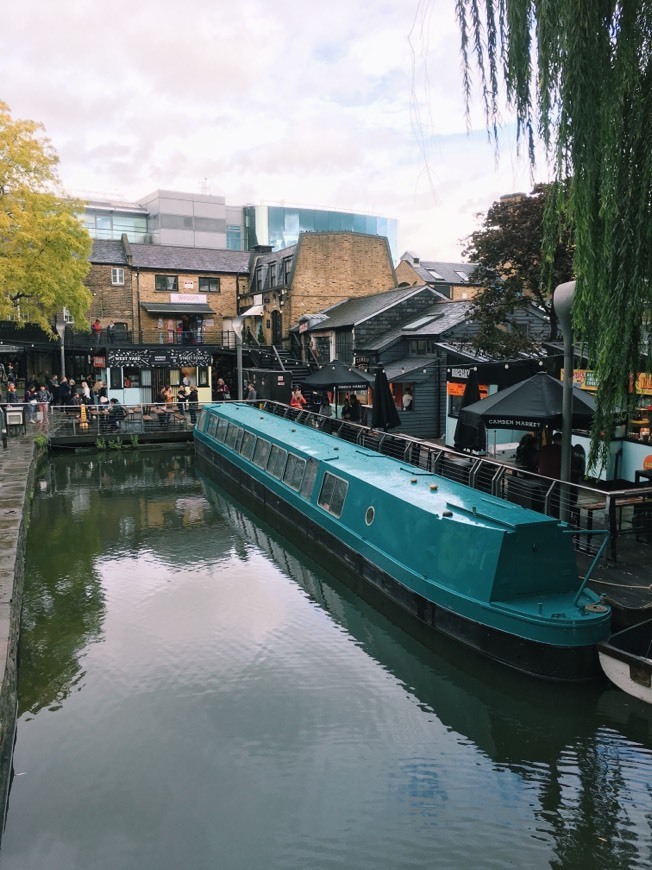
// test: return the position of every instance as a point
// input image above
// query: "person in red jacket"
(297, 400)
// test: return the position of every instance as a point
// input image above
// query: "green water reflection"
(196, 692)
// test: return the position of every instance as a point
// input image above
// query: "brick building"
(453, 280)
(321, 270)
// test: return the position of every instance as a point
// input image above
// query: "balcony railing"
(121, 337)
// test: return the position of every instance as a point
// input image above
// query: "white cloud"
(356, 106)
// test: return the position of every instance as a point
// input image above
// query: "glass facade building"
(201, 220)
(279, 226)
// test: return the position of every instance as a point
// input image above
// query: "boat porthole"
(370, 515)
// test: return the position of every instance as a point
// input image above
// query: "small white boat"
(626, 658)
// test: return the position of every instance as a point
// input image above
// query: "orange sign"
(455, 389)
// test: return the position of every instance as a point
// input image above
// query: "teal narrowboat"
(496, 576)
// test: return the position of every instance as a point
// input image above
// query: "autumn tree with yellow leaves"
(44, 248)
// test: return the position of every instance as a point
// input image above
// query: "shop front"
(135, 376)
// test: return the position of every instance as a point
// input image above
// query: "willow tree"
(578, 76)
(44, 249)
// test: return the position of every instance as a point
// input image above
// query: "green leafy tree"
(44, 249)
(578, 75)
(495, 314)
(514, 265)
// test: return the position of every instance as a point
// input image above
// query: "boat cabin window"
(309, 478)
(276, 464)
(212, 425)
(294, 471)
(247, 445)
(261, 452)
(233, 436)
(222, 426)
(203, 417)
(332, 494)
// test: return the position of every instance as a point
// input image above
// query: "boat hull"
(567, 663)
(625, 659)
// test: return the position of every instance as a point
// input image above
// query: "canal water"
(195, 692)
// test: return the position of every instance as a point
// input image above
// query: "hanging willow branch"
(578, 73)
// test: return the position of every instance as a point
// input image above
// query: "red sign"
(99, 362)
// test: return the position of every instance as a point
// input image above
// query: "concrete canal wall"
(17, 469)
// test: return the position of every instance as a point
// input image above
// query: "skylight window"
(422, 321)
(463, 276)
(436, 275)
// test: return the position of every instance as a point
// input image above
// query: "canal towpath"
(17, 469)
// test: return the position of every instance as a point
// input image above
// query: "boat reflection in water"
(514, 719)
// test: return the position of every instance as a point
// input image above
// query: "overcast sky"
(348, 104)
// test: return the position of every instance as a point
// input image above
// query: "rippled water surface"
(196, 693)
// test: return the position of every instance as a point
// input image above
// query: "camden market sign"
(146, 358)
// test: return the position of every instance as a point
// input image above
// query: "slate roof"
(402, 368)
(444, 316)
(171, 258)
(446, 271)
(110, 253)
(438, 320)
(353, 311)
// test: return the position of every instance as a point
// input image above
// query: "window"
(276, 464)
(272, 274)
(332, 494)
(222, 426)
(202, 376)
(294, 471)
(247, 446)
(212, 425)
(115, 381)
(287, 268)
(309, 478)
(233, 437)
(117, 276)
(169, 283)
(233, 237)
(209, 285)
(261, 452)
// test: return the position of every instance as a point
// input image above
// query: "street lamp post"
(61, 330)
(563, 303)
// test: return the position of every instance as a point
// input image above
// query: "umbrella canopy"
(336, 374)
(384, 414)
(470, 437)
(531, 404)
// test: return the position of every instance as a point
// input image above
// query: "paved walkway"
(16, 482)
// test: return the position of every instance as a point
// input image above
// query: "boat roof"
(430, 492)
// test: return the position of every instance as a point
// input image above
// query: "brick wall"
(332, 267)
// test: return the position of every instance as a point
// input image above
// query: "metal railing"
(589, 508)
(69, 421)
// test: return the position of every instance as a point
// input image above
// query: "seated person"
(116, 415)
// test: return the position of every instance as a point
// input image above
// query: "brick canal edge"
(18, 465)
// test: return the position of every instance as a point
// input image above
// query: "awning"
(254, 311)
(177, 307)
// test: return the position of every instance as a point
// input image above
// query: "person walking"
(193, 402)
(43, 397)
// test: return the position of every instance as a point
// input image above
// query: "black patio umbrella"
(467, 436)
(336, 375)
(384, 414)
(532, 404)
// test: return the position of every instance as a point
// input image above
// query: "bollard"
(3, 423)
